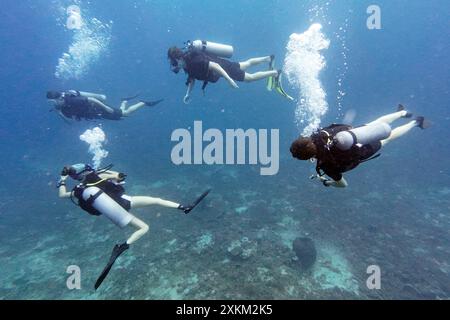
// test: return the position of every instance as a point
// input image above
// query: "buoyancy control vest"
(331, 158)
(108, 186)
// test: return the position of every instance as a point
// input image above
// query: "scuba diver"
(101, 192)
(207, 61)
(80, 105)
(340, 148)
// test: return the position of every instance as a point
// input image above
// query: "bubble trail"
(95, 138)
(303, 64)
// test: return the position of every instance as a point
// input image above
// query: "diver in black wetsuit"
(337, 149)
(200, 65)
(78, 105)
(101, 193)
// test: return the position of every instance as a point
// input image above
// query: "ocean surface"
(238, 243)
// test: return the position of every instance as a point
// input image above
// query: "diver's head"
(78, 171)
(54, 95)
(303, 148)
(55, 98)
(175, 56)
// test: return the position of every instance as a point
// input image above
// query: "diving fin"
(402, 108)
(271, 80)
(196, 202)
(423, 123)
(117, 251)
(152, 103)
(130, 98)
(279, 88)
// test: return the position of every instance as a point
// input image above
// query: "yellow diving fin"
(279, 87)
(271, 80)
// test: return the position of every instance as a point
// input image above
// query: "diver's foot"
(119, 249)
(423, 123)
(277, 77)
(272, 59)
(152, 103)
(407, 114)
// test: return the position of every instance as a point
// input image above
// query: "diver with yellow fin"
(209, 62)
(274, 82)
(101, 193)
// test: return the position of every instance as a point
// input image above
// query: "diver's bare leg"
(140, 202)
(253, 62)
(133, 108)
(389, 118)
(101, 97)
(250, 77)
(400, 131)
(142, 229)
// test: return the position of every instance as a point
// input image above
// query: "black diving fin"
(152, 103)
(279, 87)
(192, 206)
(423, 123)
(117, 251)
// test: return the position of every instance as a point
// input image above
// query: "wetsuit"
(331, 160)
(78, 107)
(112, 189)
(197, 67)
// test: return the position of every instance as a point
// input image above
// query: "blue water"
(395, 213)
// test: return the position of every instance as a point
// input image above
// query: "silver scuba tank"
(107, 206)
(218, 49)
(344, 140)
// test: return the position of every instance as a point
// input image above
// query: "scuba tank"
(345, 140)
(220, 50)
(104, 204)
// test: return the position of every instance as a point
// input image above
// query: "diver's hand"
(63, 178)
(65, 172)
(187, 99)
